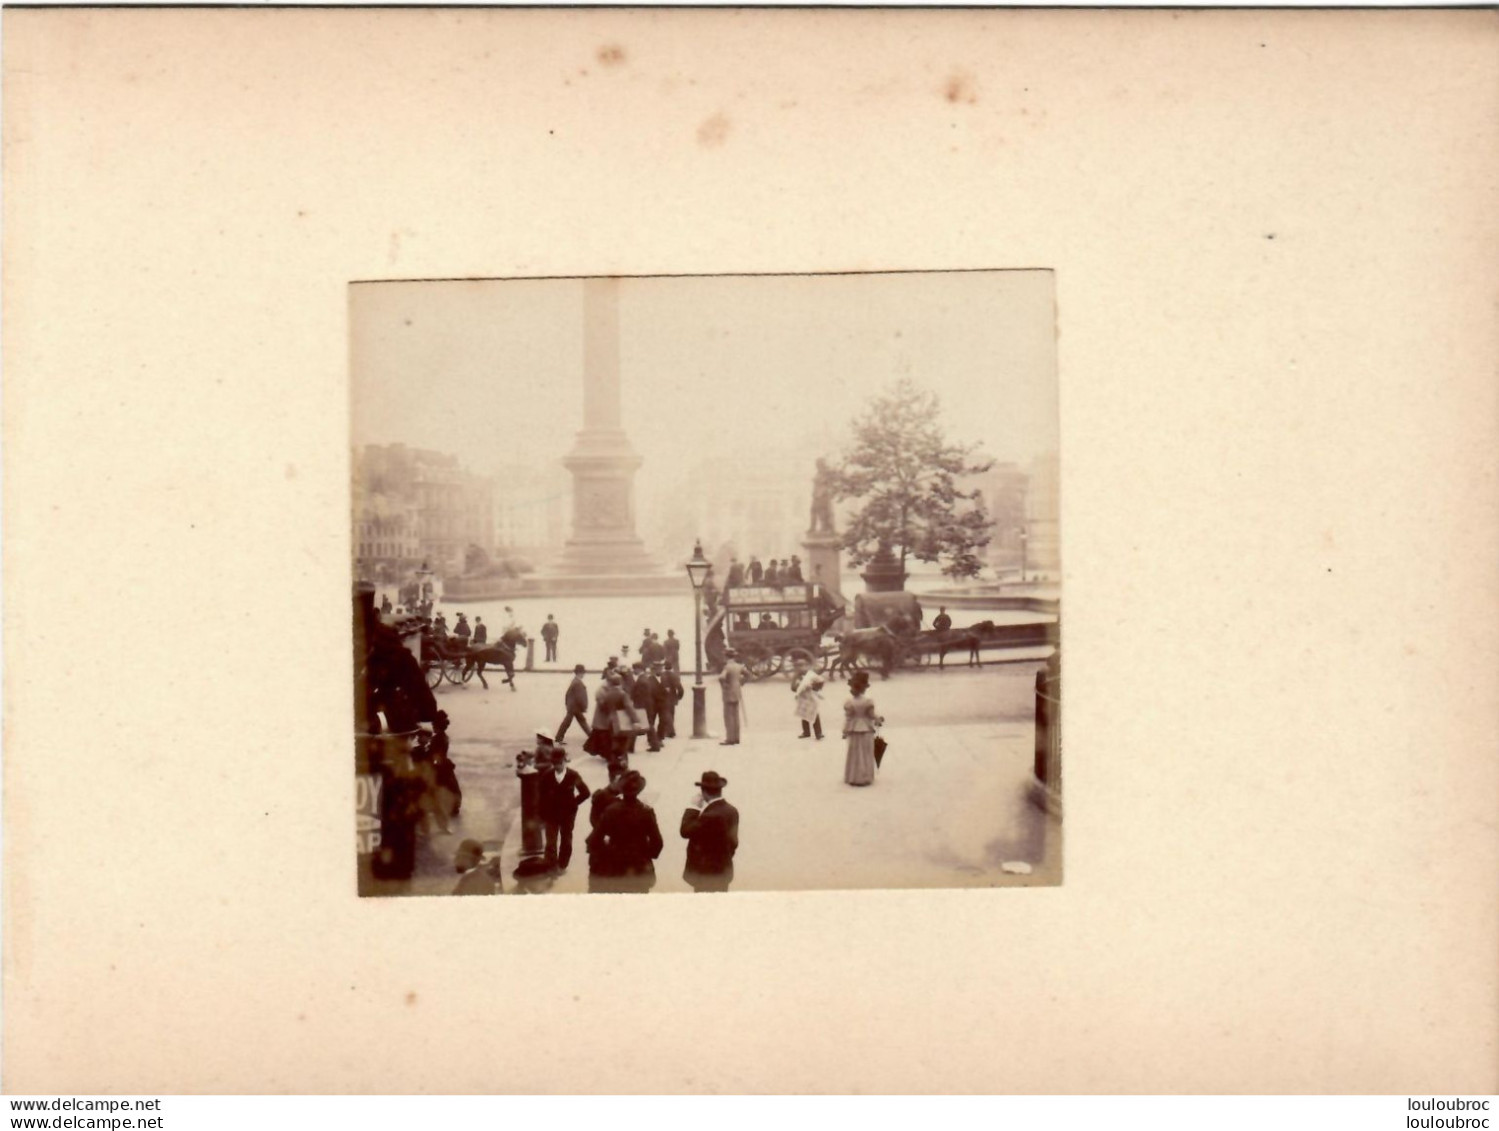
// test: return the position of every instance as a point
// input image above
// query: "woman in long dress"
(859, 724)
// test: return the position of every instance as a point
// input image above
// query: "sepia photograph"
(657, 443)
(706, 584)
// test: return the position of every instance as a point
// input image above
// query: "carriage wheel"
(453, 670)
(762, 664)
(434, 674)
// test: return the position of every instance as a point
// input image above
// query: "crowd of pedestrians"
(776, 575)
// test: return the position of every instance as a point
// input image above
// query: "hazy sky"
(727, 367)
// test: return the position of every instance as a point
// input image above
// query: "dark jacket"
(673, 649)
(712, 836)
(576, 698)
(607, 701)
(671, 684)
(602, 799)
(627, 839)
(647, 691)
(549, 630)
(560, 800)
(664, 699)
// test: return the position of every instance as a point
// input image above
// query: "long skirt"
(858, 769)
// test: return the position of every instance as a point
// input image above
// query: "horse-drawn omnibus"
(771, 627)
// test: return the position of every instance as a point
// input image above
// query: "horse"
(971, 638)
(501, 653)
(866, 643)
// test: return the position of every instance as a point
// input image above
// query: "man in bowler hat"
(627, 840)
(575, 699)
(562, 791)
(710, 826)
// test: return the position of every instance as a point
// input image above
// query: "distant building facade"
(1043, 508)
(413, 505)
(531, 506)
(761, 509)
(1023, 503)
(1004, 487)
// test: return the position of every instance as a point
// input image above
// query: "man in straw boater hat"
(623, 847)
(711, 828)
(562, 791)
(731, 683)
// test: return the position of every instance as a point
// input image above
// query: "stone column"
(602, 462)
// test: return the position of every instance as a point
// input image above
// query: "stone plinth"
(824, 564)
(603, 464)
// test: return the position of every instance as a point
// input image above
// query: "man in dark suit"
(671, 687)
(653, 651)
(481, 631)
(646, 697)
(756, 571)
(601, 869)
(671, 648)
(627, 841)
(562, 791)
(710, 826)
(773, 574)
(549, 634)
(793, 571)
(575, 699)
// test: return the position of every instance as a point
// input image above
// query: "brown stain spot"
(291, 471)
(411, 997)
(713, 132)
(960, 88)
(611, 55)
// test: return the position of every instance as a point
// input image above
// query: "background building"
(413, 505)
(1042, 509)
(531, 510)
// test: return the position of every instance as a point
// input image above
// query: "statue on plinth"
(821, 542)
(822, 500)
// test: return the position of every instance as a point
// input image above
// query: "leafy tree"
(903, 471)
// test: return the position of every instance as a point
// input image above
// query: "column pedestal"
(824, 564)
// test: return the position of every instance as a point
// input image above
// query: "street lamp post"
(697, 573)
(1024, 535)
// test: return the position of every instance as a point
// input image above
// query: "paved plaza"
(948, 809)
